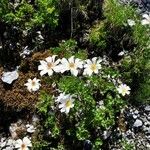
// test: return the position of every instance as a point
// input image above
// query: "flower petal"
(53, 58)
(94, 60)
(61, 105)
(27, 142)
(18, 143)
(50, 72)
(71, 59)
(49, 59)
(57, 62)
(67, 110)
(57, 68)
(74, 72)
(64, 61)
(88, 61)
(43, 72)
(43, 63)
(63, 109)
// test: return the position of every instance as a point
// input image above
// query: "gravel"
(137, 131)
(141, 5)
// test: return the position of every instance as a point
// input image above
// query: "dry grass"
(16, 95)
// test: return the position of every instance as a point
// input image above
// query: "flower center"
(71, 65)
(33, 83)
(49, 65)
(124, 90)
(23, 146)
(68, 103)
(93, 67)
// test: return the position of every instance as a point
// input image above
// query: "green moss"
(69, 48)
(26, 16)
(143, 91)
(118, 14)
(98, 35)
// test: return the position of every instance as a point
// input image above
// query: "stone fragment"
(138, 123)
(147, 108)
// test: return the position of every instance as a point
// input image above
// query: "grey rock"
(147, 108)
(148, 130)
(144, 128)
(135, 116)
(141, 5)
(143, 119)
(136, 112)
(106, 134)
(148, 117)
(146, 123)
(87, 145)
(138, 123)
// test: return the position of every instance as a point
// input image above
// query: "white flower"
(30, 128)
(66, 102)
(8, 148)
(48, 66)
(23, 144)
(33, 85)
(146, 19)
(10, 144)
(60, 97)
(131, 22)
(124, 89)
(72, 65)
(92, 66)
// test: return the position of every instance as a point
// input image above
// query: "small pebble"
(87, 145)
(147, 108)
(135, 116)
(138, 123)
(136, 112)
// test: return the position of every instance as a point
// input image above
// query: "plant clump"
(81, 87)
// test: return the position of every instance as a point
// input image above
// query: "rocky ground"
(134, 128)
(141, 5)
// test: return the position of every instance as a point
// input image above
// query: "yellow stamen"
(93, 67)
(23, 146)
(124, 91)
(68, 103)
(33, 83)
(71, 65)
(49, 65)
